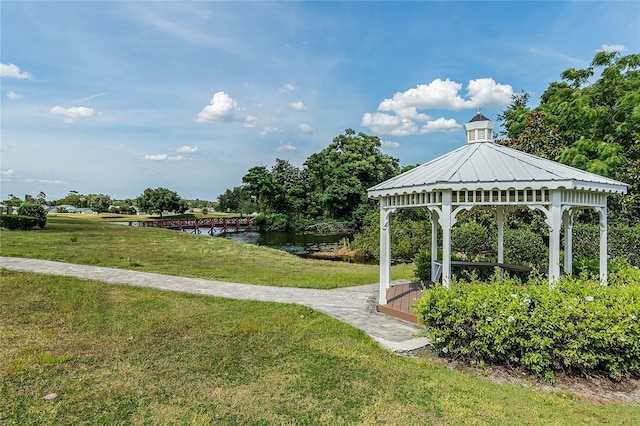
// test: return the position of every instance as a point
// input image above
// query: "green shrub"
(423, 266)
(524, 247)
(408, 236)
(623, 242)
(34, 210)
(15, 222)
(577, 326)
(470, 239)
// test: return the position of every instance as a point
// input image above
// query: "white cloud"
(163, 157)
(387, 124)
(13, 95)
(287, 88)
(441, 94)
(390, 144)
(222, 108)
(613, 48)
(304, 127)
(298, 106)
(72, 113)
(287, 147)
(11, 176)
(88, 98)
(399, 115)
(437, 94)
(51, 182)
(13, 71)
(156, 157)
(268, 130)
(187, 149)
(440, 125)
(485, 92)
(250, 121)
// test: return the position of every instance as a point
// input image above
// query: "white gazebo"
(484, 173)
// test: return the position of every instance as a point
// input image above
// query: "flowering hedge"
(577, 326)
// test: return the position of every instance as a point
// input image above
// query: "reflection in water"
(300, 244)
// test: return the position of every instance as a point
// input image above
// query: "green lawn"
(126, 355)
(88, 240)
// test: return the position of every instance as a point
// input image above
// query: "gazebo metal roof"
(490, 165)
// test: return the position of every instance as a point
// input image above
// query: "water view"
(300, 244)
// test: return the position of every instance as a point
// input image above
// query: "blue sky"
(115, 97)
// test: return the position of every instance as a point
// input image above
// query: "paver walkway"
(353, 305)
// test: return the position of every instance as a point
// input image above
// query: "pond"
(298, 243)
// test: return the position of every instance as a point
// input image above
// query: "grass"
(94, 241)
(126, 355)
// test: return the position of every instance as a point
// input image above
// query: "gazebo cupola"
(485, 174)
(479, 129)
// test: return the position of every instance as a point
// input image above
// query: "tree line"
(331, 185)
(152, 201)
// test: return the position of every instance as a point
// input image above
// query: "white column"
(554, 220)
(434, 244)
(445, 223)
(602, 212)
(567, 221)
(385, 251)
(500, 222)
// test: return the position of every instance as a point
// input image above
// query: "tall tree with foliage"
(331, 185)
(341, 173)
(99, 203)
(74, 198)
(594, 126)
(236, 200)
(261, 185)
(159, 200)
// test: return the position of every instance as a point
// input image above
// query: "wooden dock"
(400, 299)
(209, 224)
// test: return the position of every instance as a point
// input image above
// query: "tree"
(41, 198)
(341, 173)
(288, 185)
(74, 198)
(261, 185)
(13, 201)
(539, 137)
(99, 203)
(123, 207)
(159, 200)
(33, 210)
(515, 116)
(332, 184)
(236, 200)
(594, 126)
